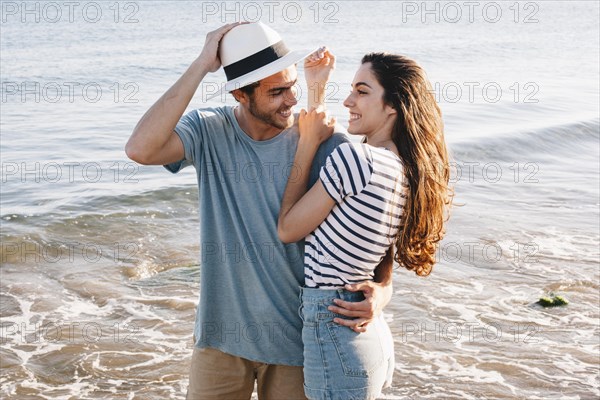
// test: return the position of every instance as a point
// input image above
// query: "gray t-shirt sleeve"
(324, 151)
(189, 130)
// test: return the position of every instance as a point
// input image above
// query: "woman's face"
(368, 113)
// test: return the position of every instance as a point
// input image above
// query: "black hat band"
(256, 60)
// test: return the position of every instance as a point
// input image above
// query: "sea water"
(100, 256)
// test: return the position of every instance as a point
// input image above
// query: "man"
(247, 326)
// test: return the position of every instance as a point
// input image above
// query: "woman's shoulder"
(386, 155)
(355, 157)
(358, 151)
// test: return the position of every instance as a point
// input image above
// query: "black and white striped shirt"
(369, 188)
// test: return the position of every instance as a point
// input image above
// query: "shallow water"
(99, 275)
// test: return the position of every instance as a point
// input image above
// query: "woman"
(390, 190)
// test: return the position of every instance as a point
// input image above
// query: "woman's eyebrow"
(362, 83)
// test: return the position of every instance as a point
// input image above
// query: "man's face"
(274, 99)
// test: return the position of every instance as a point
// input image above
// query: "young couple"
(267, 178)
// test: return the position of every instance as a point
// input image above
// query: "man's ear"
(240, 96)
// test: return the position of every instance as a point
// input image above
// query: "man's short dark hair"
(249, 89)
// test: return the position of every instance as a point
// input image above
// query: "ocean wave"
(577, 138)
(159, 202)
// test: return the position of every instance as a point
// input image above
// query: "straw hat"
(251, 52)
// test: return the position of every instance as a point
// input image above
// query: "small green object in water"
(560, 301)
(553, 301)
(546, 302)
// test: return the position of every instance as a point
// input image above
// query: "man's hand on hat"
(210, 51)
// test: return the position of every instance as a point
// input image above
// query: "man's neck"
(255, 129)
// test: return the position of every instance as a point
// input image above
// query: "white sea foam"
(157, 213)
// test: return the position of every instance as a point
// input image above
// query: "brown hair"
(249, 89)
(418, 133)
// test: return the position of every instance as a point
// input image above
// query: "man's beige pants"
(215, 375)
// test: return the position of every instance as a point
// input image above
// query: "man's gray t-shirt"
(249, 280)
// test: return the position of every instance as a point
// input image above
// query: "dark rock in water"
(553, 301)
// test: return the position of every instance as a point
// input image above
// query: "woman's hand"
(317, 71)
(318, 66)
(314, 128)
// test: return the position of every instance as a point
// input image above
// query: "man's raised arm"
(153, 141)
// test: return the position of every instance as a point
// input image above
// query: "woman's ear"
(390, 110)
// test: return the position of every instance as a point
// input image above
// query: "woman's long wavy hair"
(418, 134)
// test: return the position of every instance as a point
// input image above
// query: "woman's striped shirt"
(369, 188)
